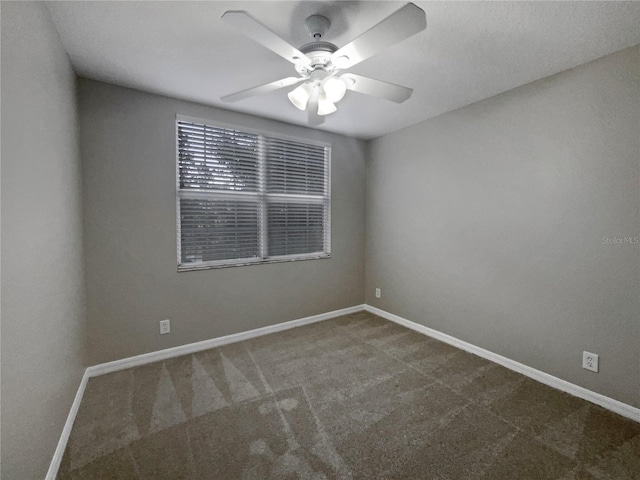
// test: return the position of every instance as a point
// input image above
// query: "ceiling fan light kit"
(335, 88)
(325, 106)
(300, 96)
(330, 91)
(318, 63)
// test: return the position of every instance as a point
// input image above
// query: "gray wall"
(487, 224)
(128, 154)
(42, 270)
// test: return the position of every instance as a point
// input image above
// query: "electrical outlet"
(590, 361)
(165, 326)
(378, 293)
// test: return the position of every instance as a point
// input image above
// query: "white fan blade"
(266, 37)
(398, 26)
(312, 108)
(267, 87)
(377, 88)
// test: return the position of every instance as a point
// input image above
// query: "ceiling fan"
(319, 64)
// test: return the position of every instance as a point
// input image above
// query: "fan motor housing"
(320, 55)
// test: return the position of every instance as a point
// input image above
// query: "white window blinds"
(249, 198)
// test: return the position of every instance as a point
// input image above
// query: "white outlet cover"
(590, 361)
(165, 327)
(377, 293)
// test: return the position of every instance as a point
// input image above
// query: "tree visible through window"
(246, 197)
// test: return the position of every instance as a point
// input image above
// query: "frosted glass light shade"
(334, 88)
(325, 106)
(300, 96)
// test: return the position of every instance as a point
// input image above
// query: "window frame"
(263, 200)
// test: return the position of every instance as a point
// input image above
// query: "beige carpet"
(352, 397)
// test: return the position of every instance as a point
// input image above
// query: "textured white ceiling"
(469, 52)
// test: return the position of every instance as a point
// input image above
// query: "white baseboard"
(125, 363)
(189, 348)
(54, 466)
(104, 368)
(609, 403)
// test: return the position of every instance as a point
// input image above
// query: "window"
(246, 197)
